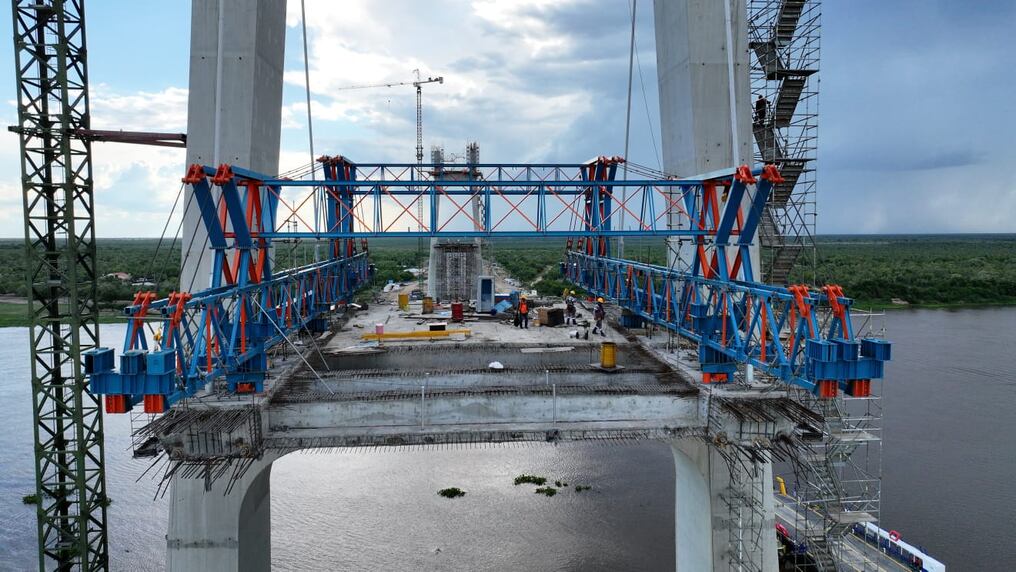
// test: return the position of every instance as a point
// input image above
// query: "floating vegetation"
(524, 478)
(451, 492)
(580, 488)
(560, 484)
(30, 499)
(549, 491)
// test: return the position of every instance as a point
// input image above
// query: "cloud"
(163, 111)
(914, 126)
(516, 75)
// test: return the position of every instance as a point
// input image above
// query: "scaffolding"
(837, 462)
(838, 470)
(784, 42)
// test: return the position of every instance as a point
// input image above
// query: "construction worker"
(599, 314)
(761, 106)
(569, 311)
(523, 313)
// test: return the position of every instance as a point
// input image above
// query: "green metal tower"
(49, 45)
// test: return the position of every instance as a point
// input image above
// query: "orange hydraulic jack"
(859, 388)
(828, 388)
(116, 404)
(715, 377)
(155, 403)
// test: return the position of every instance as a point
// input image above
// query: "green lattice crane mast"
(49, 48)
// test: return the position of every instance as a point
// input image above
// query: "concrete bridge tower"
(234, 115)
(706, 124)
(234, 108)
(705, 93)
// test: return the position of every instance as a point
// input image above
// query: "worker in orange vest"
(523, 313)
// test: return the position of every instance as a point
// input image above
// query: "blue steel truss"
(226, 330)
(794, 334)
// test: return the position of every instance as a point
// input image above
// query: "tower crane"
(418, 84)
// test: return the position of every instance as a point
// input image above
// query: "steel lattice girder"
(49, 46)
(734, 319)
(227, 329)
(519, 200)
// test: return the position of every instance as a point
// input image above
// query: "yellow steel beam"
(416, 334)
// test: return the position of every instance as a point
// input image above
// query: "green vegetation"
(135, 257)
(30, 499)
(13, 314)
(144, 264)
(923, 270)
(531, 479)
(549, 491)
(559, 484)
(580, 488)
(535, 263)
(452, 492)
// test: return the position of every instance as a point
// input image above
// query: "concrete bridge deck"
(546, 385)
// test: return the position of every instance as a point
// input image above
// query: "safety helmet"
(523, 296)
(572, 292)
(599, 300)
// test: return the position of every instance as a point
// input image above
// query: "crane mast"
(418, 84)
(56, 166)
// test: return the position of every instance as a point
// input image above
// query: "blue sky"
(916, 100)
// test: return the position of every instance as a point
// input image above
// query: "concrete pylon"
(234, 110)
(705, 121)
(702, 515)
(693, 516)
(210, 529)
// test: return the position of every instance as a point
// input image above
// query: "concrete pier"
(234, 115)
(702, 512)
(212, 529)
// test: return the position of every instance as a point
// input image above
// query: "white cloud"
(484, 50)
(523, 20)
(164, 111)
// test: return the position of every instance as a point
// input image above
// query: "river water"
(949, 467)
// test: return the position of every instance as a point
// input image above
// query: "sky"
(917, 100)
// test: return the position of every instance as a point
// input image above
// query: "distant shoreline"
(938, 306)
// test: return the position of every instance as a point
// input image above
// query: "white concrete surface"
(693, 72)
(249, 124)
(211, 530)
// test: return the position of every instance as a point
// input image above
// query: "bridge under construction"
(712, 352)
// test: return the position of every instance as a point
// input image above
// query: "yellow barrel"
(608, 354)
(428, 305)
(783, 485)
(403, 302)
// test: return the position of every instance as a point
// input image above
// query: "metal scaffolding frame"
(784, 40)
(50, 55)
(838, 470)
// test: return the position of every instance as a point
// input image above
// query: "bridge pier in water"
(212, 529)
(702, 515)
